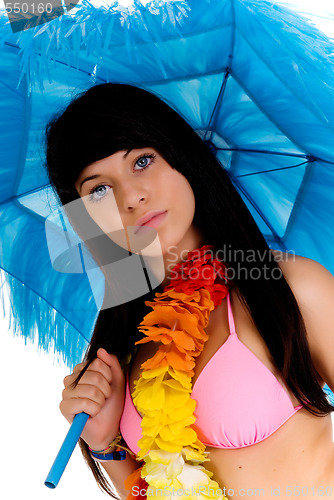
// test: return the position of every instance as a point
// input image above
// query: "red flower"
(199, 270)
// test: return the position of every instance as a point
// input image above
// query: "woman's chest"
(296, 460)
(216, 352)
(277, 460)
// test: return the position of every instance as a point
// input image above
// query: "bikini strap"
(230, 316)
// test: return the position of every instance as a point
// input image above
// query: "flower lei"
(170, 450)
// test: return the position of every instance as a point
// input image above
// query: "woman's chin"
(146, 243)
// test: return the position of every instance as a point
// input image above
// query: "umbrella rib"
(15, 46)
(11, 88)
(260, 107)
(295, 96)
(265, 151)
(291, 89)
(273, 170)
(22, 207)
(279, 153)
(17, 198)
(256, 207)
(221, 69)
(298, 199)
(214, 115)
(45, 300)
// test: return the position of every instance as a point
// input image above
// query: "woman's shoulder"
(313, 287)
(311, 283)
(302, 273)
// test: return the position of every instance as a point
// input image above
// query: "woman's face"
(120, 189)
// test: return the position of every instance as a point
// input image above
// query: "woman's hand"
(100, 393)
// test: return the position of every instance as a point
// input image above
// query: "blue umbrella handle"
(66, 450)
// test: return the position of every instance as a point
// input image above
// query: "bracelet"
(115, 455)
(100, 451)
(116, 449)
(112, 445)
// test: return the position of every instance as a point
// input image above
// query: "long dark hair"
(111, 117)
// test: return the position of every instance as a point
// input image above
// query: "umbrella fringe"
(33, 319)
(88, 26)
(88, 29)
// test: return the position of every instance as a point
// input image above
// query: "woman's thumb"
(105, 356)
(112, 361)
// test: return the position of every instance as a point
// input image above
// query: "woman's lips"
(154, 222)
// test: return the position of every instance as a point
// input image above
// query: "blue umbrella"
(255, 80)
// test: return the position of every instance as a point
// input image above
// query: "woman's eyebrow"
(89, 179)
(99, 175)
(128, 151)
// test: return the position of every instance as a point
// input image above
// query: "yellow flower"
(148, 394)
(192, 455)
(162, 467)
(183, 480)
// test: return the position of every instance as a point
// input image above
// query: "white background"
(31, 425)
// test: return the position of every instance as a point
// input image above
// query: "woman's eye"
(144, 161)
(99, 192)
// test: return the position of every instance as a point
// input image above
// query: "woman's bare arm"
(313, 287)
(118, 471)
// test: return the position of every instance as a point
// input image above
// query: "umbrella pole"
(66, 450)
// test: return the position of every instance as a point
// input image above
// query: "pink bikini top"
(239, 400)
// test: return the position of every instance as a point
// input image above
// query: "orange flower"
(136, 484)
(170, 355)
(199, 302)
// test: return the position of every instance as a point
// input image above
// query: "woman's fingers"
(100, 393)
(90, 378)
(97, 366)
(77, 369)
(103, 380)
(86, 391)
(70, 407)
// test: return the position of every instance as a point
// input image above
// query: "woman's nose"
(130, 207)
(131, 197)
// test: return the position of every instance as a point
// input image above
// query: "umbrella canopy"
(252, 77)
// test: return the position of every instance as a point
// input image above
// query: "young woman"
(257, 378)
